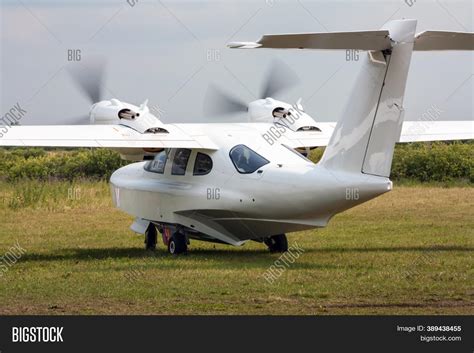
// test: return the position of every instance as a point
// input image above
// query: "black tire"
(151, 236)
(177, 244)
(277, 243)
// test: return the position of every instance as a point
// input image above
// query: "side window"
(245, 160)
(157, 165)
(180, 161)
(203, 164)
(297, 153)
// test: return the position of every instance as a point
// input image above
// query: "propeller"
(280, 77)
(218, 102)
(88, 77)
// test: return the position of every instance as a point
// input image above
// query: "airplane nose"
(127, 173)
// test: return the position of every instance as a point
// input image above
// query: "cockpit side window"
(203, 164)
(299, 154)
(180, 161)
(245, 160)
(157, 165)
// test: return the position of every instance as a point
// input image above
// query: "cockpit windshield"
(245, 160)
(157, 165)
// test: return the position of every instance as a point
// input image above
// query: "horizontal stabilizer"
(363, 40)
(440, 40)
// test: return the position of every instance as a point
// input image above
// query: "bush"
(419, 162)
(16, 164)
(429, 162)
(443, 162)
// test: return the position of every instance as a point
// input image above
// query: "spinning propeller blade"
(88, 76)
(279, 78)
(218, 102)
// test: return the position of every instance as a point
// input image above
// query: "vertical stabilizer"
(365, 136)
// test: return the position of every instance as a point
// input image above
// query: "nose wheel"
(150, 237)
(277, 243)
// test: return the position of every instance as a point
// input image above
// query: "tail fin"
(365, 136)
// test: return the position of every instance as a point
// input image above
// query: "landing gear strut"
(277, 243)
(150, 237)
(177, 244)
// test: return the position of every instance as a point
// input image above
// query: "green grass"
(407, 252)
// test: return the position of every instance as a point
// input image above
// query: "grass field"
(407, 252)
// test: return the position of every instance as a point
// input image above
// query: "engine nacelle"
(116, 112)
(281, 113)
(271, 110)
(128, 114)
(106, 112)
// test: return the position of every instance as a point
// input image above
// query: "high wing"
(302, 139)
(419, 131)
(110, 136)
(412, 131)
(195, 136)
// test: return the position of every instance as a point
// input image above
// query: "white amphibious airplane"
(234, 182)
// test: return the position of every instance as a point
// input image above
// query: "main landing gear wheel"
(150, 237)
(177, 244)
(277, 243)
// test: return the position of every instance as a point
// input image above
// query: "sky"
(171, 51)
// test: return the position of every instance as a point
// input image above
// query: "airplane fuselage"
(287, 194)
